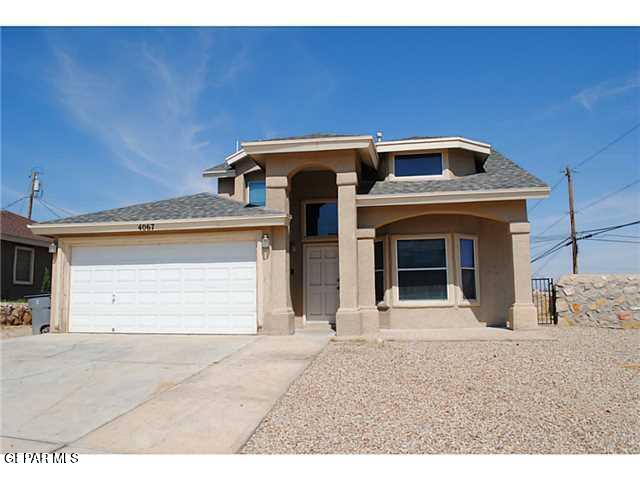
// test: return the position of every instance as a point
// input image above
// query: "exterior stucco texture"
(499, 173)
(201, 205)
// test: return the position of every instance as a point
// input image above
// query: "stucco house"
(366, 234)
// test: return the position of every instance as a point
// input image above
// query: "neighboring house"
(26, 261)
(422, 232)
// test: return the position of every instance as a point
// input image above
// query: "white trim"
(236, 156)
(32, 263)
(219, 173)
(458, 258)
(365, 200)
(303, 233)
(161, 225)
(434, 144)
(364, 143)
(450, 301)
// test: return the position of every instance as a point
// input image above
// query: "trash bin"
(40, 306)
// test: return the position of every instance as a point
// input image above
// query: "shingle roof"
(224, 166)
(16, 226)
(201, 205)
(500, 173)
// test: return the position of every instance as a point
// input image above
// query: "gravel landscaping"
(579, 393)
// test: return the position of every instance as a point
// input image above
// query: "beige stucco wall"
(461, 162)
(495, 273)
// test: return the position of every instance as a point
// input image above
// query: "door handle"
(113, 298)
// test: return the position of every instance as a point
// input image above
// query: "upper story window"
(420, 165)
(321, 219)
(257, 193)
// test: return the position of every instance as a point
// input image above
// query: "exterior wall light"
(266, 241)
(53, 247)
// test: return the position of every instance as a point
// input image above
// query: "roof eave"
(362, 143)
(367, 200)
(187, 224)
(434, 143)
(230, 173)
(33, 242)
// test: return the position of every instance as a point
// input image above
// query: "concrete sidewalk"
(472, 334)
(215, 411)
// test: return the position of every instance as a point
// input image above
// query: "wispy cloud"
(143, 106)
(588, 97)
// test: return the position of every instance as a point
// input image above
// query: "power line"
(608, 229)
(586, 160)
(595, 202)
(67, 212)
(47, 207)
(14, 202)
(553, 225)
(607, 146)
(584, 235)
(608, 195)
(611, 241)
(555, 185)
(553, 255)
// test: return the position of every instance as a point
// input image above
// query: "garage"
(164, 288)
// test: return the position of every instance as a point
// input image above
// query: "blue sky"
(115, 116)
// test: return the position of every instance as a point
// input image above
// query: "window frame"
(460, 294)
(249, 182)
(450, 300)
(382, 241)
(444, 159)
(32, 264)
(317, 238)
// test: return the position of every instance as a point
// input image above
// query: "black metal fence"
(544, 298)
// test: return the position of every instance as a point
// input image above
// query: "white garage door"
(177, 288)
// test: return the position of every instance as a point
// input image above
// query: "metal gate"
(544, 298)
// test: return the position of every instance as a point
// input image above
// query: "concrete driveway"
(144, 393)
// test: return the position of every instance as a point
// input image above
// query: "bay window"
(468, 268)
(422, 269)
(379, 270)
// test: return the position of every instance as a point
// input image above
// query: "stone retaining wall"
(15, 314)
(609, 301)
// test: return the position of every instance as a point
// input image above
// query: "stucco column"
(522, 314)
(279, 317)
(348, 316)
(369, 319)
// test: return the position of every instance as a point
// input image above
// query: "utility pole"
(35, 188)
(572, 218)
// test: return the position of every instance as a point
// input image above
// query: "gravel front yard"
(579, 394)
